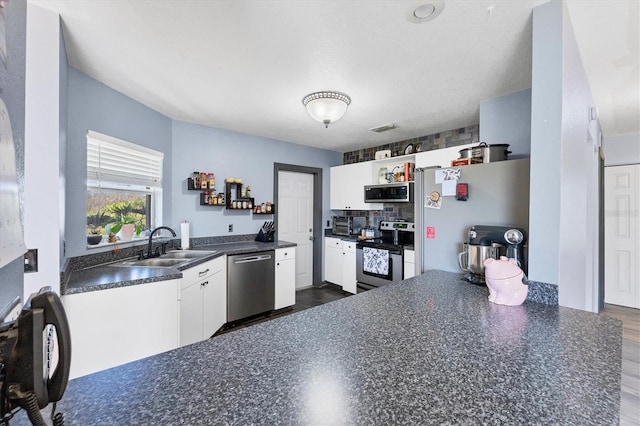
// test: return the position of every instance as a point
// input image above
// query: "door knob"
(311, 237)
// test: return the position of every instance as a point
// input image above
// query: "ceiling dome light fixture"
(326, 107)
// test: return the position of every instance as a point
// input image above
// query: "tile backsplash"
(394, 211)
(462, 136)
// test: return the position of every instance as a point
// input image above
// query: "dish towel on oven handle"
(375, 261)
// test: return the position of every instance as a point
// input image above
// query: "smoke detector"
(425, 12)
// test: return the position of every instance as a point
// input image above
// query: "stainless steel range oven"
(379, 261)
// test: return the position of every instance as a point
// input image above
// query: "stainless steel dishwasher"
(250, 284)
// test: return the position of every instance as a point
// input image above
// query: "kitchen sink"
(184, 254)
(155, 262)
(167, 260)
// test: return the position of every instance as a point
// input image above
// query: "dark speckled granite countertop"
(429, 350)
(111, 275)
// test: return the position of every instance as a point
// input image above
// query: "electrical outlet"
(231, 227)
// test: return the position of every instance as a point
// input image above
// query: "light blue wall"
(507, 119)
(232, 154)
(564, 246)
(622, 149)
(94, 106)
(187, 147)
(12, 89)
(62, 189)
(546, 124)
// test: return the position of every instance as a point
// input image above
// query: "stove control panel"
(400, 226)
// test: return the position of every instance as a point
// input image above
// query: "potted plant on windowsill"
(126, 226)
(94, 237)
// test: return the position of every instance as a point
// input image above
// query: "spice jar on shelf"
(206, 197)
(268, 206)
(203, 180)
(212, 181)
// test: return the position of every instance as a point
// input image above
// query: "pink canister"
(505, 281)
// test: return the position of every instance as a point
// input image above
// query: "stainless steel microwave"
(401, 192)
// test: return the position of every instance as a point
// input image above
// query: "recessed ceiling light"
(425, 12)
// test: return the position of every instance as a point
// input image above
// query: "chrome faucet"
(149, 253)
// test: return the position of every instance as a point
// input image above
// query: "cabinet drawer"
(204, 270)
(409, 256)
(333, 242)
(286, 253)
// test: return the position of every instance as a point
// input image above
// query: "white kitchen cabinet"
(333, 260)
(349, 282)
(203, 300)
(347, 187)
(285, 277)
(340, 263)
(119, 325)
(409, 264)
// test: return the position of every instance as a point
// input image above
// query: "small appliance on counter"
(486, 242)
(267, 233)
(348, 225)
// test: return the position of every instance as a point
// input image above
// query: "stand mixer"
(491, 242)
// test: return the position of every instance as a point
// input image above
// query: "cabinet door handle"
(201, 273)
(204, 284)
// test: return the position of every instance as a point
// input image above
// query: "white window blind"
(114, 160)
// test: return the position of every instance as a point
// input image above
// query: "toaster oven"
(348, 225)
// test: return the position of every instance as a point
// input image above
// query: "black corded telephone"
(24, 380)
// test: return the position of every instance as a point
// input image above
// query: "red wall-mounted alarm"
(462, 191)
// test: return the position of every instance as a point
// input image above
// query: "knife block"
(265, 237)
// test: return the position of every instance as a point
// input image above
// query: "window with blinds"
(124, 181)
(117, 161)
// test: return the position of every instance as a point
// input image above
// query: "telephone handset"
(25, 380)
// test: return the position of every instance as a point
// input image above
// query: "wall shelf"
(232, 197)
(246, 203)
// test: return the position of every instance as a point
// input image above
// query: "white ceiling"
(245, 65)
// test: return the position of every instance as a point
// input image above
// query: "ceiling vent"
(383, 128)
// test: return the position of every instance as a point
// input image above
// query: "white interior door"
(295, 220)
(622, 235)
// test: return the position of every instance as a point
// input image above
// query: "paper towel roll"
(184, 235)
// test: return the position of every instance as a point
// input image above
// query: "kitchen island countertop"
(428, 350)
(108, 276)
